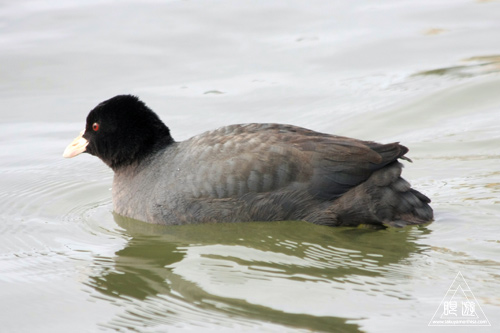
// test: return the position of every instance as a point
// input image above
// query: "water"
(423, 73)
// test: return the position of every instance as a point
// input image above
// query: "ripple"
(48, 207)
(174, 313)
(232, 274)
(475, 66)
(262, 274)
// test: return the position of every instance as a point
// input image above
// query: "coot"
(248, 172)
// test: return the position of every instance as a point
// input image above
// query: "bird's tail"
(383, 199)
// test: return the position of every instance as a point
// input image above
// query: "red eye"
(95, 127)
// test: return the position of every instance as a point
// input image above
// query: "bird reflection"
(153, 264)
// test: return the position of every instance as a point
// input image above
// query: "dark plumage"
(252, 172)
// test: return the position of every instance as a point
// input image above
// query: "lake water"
(425, 73)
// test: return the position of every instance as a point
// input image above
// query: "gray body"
(266, 172)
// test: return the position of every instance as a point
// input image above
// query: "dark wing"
(239, 159)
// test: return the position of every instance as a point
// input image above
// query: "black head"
(122, 131)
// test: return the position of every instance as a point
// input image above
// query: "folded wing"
(257, 158)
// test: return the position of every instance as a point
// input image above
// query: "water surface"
(423, 73)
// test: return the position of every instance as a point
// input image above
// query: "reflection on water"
(474, 66)
(256, 271)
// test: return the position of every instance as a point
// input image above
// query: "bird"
(247, 172)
